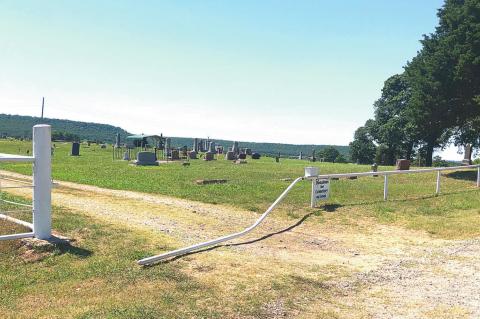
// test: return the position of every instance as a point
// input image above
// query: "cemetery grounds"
(416, 255)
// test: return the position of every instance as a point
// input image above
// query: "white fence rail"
(311, 173)
(42, 184)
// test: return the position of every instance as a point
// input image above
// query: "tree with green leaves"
(329, 154)
(362, 149)
(391, 127)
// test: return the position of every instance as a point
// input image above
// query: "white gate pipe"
(16, 236)
(437, 189)
(385, 187)
(42, 181)
(183, 251)
(478, 176)
(16, 221)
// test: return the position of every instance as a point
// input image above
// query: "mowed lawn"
(97, 277)
(251, 186)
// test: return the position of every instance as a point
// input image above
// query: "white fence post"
(385, 187)
(478, 176)
(437, 190)
(42, 181)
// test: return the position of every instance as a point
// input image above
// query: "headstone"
(255, 156)
(146, 158)
(314, 159)
(175, 155)
(467, 159)
(374, 168)
(168, 142)
(211, 147)
(201, 146)
(300, 157)
(248, 151)
(219, 149)
(192, 155)
(195, 145)
(242, 156)
(209, 156)
(403, 164)
(75, 149)
(126, 156)
(117, 140)
(235, 148)
(230, 156)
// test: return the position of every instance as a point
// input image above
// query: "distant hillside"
(21, 126)
(267, 148)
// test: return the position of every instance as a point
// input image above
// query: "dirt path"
(376, 271)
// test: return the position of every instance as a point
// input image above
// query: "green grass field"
(97, 277)
(251, 186)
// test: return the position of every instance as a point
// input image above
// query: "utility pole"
(43, 105)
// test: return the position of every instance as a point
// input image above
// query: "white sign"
(320, 190)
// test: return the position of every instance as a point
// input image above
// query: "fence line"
(310, 174)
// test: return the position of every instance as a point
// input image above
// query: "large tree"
(362, 149)
(392, 128)
(430, 111)
(459, 31)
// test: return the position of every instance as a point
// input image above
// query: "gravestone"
(403, 164)
(126, 156)
(248, 151)
(146, 158)
(211, 147)
(192, 155)
(209, 156)
(175, 155)
(168, 142)
(235, 148)
(467, 159)
(117, 140)
(255, 156)
(75, 149)
(195, 145)
(242, 156)
(230, 156)
(314, 159)
(300, 157)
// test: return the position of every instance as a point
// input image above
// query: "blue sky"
(277, 71)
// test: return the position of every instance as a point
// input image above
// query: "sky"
(302, 72)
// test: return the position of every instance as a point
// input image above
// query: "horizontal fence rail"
(309, 175)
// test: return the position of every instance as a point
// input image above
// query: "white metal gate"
(41, 227)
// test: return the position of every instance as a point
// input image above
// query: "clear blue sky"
(278, 71)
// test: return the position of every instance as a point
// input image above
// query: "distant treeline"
(21, 127)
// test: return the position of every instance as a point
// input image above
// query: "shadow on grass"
(298, 223)
(65, 247)
(73, 250)
(463, 175)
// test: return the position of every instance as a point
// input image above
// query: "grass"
(97, 278)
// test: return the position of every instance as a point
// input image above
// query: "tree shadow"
(463, 175)
(298, 223)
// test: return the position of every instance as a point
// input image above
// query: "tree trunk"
(429, 155)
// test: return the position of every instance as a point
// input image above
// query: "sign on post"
(320, 190)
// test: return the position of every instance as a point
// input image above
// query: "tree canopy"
(436, 100)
